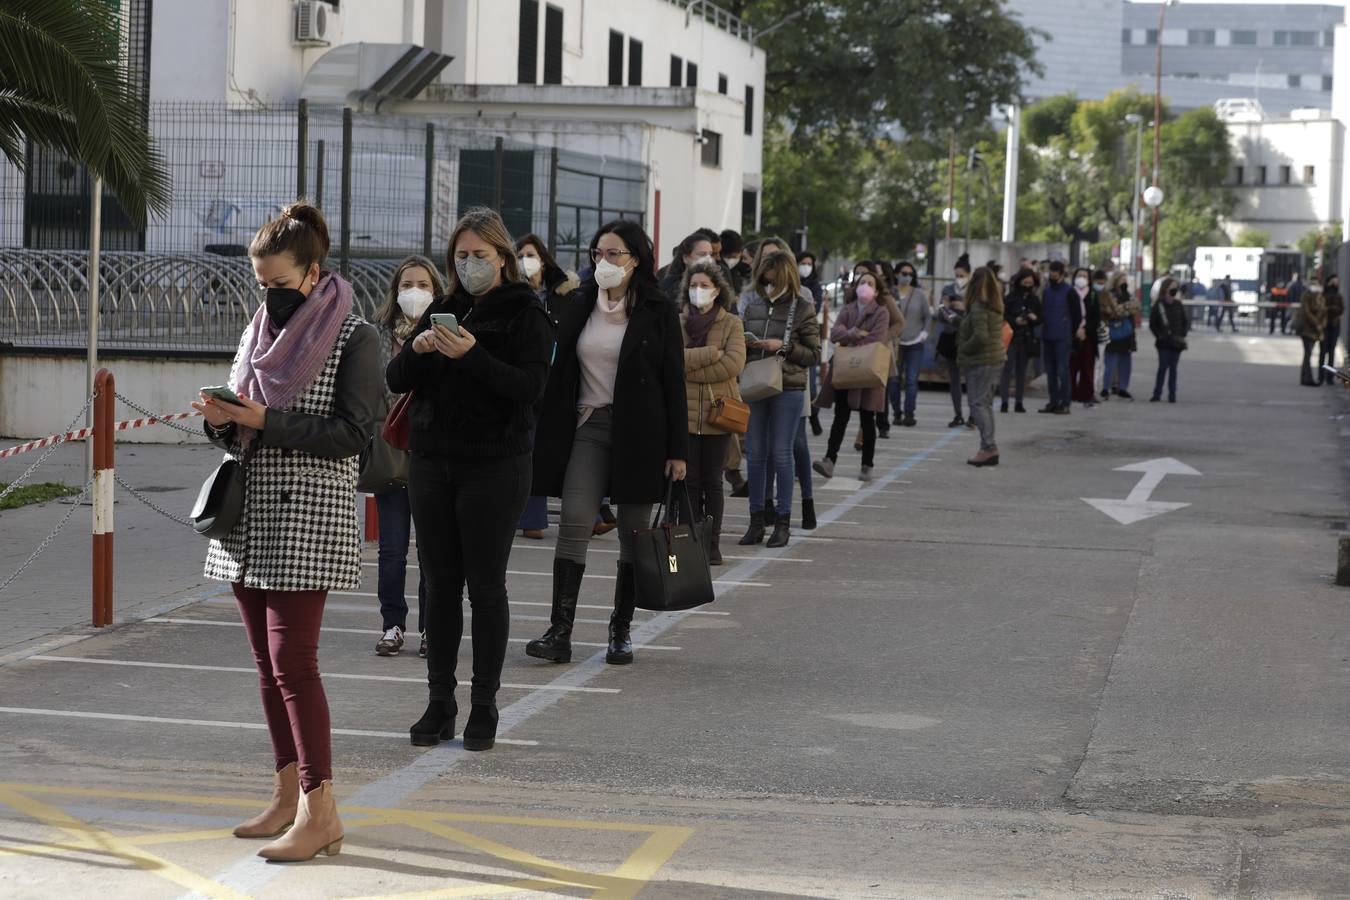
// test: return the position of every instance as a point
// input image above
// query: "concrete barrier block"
(1343, 562)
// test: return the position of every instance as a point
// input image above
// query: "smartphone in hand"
(1345, 379)
(223, 394)
(446, 320)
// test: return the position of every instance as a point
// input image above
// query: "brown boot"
(984, 458)
(280, 812)
(317, 829)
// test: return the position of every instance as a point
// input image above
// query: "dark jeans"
(769, 444)
(954, 384)
(1167, 369)
(395, 513)
(1014, 371)
(1326, 355)
(535, 515)
(1281, 313)
(1230, 311)
(1055, 355)
(466, 512)
(1119, 365)
(911, 360)
(1083, 372)
(1309, 345)
(840, 427)
(707, 452)
(283, 633)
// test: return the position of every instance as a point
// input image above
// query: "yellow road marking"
(643, 864)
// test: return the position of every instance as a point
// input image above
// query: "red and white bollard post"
(104, 396)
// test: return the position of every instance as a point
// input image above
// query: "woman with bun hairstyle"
(307, 378)
(414, 285)
(613, 423)
(476, 386)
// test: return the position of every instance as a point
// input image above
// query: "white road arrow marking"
(1137, 506)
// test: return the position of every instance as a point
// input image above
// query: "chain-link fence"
(389, 186)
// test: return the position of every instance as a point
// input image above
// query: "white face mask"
(609, 276)
(413, 302)
(1080, 282)
(699, 259)
(702, 297)
(962, 281)
(804, 270)
(530, 265)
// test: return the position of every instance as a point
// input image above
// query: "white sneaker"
(865, 475)
(391, 643)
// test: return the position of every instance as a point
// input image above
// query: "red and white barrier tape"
(82, 433)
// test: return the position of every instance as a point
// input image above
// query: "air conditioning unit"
(314, 21)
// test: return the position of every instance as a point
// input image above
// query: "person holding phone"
(307, 380)
(478, 363)
(1169, 325)
(411, 290)
(613, 422)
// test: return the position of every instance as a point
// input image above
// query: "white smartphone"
(446, 320)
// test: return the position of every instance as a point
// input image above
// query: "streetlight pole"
(1157, 124)
(1138, 122)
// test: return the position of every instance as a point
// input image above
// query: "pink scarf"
(276, 365)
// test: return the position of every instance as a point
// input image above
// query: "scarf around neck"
(697, 325)
(277, 365)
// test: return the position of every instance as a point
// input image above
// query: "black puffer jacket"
(1169, 324)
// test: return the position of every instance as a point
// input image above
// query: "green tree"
(1250, 237)
(1327, 239)
(62, 86)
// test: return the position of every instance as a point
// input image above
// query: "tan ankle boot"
(280, 812)
(317, 829)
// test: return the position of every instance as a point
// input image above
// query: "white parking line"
(369, 610)
(143, 664)
(163, 620)
(210, 723)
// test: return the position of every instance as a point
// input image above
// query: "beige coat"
(710, 372)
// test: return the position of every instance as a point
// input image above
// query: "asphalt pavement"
(965, 683)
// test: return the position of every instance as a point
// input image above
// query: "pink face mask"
(866, 293)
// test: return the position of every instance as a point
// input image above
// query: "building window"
(749, 211)
(1309, 175)
(1150, 36)
(1238, 175)
(1295, 81)
(712, 149)
(1329, 38)
(553, 44)
(1286, 175)
(1242, 38)
(615, 58)
(676, 71)
(722, 84)
(1125, 36)
(1326, 82)
(527, 71)
(634, 62)
(691, 75)
(1200, 36)
(1295, 39)
(749, 109)
(1260, 174)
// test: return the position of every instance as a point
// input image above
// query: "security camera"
(701, 139)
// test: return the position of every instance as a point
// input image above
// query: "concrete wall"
(40, 394)
(1082, 52)
(1286, 210)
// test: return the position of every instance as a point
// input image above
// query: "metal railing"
(148, 301)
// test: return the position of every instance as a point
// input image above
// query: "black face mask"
(282, 302)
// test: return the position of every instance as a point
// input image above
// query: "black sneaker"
(1106, 395)
(1003, 407)
(1019, 408)
(1062, 410)
(1124, 395)
(1049, 408)
(956, 422)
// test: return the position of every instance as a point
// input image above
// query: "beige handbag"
(763, 378)
(860, 367)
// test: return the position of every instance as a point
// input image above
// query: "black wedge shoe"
(437, 724)
(480, 732)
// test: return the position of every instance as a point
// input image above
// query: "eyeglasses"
(615, 257)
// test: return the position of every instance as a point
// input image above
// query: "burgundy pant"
(1083, 372)
(283, 632)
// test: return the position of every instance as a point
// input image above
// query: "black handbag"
(383, 467)
(220, 502)
(670, 561)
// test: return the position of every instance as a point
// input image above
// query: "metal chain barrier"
(59, 440)
(163, 420)
(74, 505)
(150, 503)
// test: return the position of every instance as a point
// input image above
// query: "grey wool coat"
(298, 530)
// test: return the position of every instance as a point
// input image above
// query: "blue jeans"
(1167, 368)
(1055, 355)
(535, 516)
(1118, 365)
(395, 514)
(911, 360)
(773, 431)
(801, 459)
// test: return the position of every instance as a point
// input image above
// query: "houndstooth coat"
(298, 530)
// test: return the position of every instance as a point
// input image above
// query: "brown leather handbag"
(730, 415)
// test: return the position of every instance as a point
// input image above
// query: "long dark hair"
(551, 274)
(643, 286)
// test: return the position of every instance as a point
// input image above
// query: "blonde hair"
(986, 288)
(781, 267)
(389, 311)
(488, 225)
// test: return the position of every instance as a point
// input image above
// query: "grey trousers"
(980, 381)
(585, 485)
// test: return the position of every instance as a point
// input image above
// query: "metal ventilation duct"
(364, 75)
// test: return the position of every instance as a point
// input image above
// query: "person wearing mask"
(981, 355)
(1169, 325)
(550, 283)
(863, 320)
(1226, 305)
(1062, 317)
(1083, 361)
(414, 285)
(307, 378)
(1312, 326)
(806, 271)
(476, 387)
(1022, 312)
(695, 248)
(1335, 304)
(917, 315)
(1120, 311)
(951, 307)
(733, 249)
(782, 319)
(714, 355)
(614, 422)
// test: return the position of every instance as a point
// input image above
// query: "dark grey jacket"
(801, 350)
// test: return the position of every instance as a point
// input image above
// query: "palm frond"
(65, 88)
